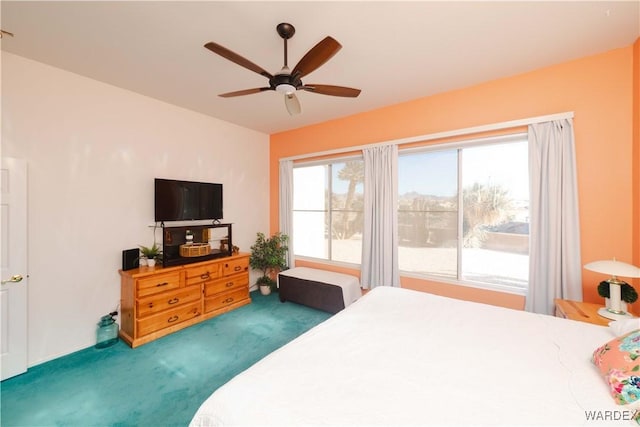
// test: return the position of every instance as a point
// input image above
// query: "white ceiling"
(393, 51)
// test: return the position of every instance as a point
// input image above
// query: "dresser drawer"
(226, 284)
(222, 300)
(157, 283)
(165, 300)
(202, 273)
(168, 318)
(235, 266)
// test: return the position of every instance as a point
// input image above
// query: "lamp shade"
(292, 104)
(614, 268)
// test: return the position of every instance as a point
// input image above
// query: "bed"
(324, 290)
(402, 357)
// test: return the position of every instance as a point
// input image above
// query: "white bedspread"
(350, 285)
(401, 357)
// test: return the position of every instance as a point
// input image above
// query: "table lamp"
(615, 269)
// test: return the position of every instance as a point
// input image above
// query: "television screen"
(187, 200)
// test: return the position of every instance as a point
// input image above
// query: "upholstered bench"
(321, 289)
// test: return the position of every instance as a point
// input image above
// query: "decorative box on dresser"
(157, 301)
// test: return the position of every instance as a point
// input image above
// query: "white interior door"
(13, 254)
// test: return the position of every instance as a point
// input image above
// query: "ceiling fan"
(288, 81)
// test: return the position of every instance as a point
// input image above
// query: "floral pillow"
(619, 362)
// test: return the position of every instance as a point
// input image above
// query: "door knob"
(13, 279)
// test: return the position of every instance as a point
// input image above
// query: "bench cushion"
(325, 290)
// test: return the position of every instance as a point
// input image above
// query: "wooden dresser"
(157, 301)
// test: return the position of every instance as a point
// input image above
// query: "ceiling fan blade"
(292, 104)
(244, 92)
(234, 57)
(347, 92)
(318, 55)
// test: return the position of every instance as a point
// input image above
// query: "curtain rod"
(438, 135)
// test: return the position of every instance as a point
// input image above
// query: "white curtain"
(380, 235)
(286, 206)
(555, 269)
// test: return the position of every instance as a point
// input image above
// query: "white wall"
(92, 151)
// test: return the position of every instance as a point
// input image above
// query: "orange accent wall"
(602, 91)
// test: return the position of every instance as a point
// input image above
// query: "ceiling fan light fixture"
(287, 82)
(292, 104)
(285, 89)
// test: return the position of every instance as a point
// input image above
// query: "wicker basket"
(195, 249)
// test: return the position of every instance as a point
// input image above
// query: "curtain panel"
(286, 206)
(379, 265)
(555, 269)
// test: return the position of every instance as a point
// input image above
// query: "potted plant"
(628, 294)
(151, 254)
(269, 255)
(265, 284)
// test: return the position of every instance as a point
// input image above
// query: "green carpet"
(158, 384)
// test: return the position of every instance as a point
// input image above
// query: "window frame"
(460, 142)
(458, 145)
(327, 162)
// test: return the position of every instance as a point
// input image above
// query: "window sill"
(466, 283)
(328, 262)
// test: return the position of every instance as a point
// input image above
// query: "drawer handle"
(172, 319)
(173, 301)
(237, 268)
(150, 305)
(205, 276)
(228, 300)
(229, 284)
(162, 284)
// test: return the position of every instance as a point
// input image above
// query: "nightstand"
(582, 311)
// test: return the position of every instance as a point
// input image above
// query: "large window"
(327, 210)
(463, 212)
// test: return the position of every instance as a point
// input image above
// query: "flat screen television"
(187, 200)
